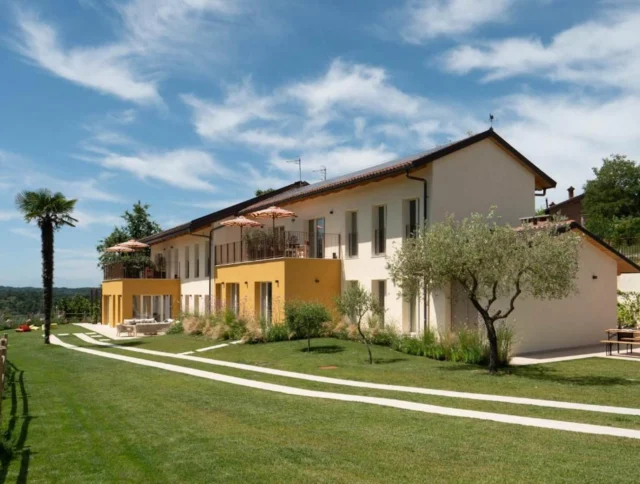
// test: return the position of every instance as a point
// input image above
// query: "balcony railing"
(122, 270)
(266, 244)
(630, 248)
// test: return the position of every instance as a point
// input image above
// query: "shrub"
(176, 328)
(305, 319)
(193, 325)
(628, 309)
(506, 338)
(276, 332)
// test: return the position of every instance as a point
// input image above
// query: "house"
(344, 230)
(570, 208)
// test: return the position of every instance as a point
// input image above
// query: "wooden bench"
(629, 342)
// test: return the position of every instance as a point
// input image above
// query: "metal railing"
(122, 270)
(352, 244)
(267, 244)
(379, 241)
(630, 248)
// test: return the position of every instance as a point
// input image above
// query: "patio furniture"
(125, 328)
(621, 336)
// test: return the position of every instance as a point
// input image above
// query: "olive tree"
(355, 303)
(493, 263)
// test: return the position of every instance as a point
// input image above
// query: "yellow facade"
(317, 280)
(117, 297)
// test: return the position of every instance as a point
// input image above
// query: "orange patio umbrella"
(273, 213)
(241, 222)
(133, 244)
(119, 248)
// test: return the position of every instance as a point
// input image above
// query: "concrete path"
(556, 356)
(378, 386)
(384, 402)
(215, 347)
(104, 330)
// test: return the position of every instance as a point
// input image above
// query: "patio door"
(266, 300)
(316, 238)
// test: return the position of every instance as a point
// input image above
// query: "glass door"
(316, 238)
(266, 297)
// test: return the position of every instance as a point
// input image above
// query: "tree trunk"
(47, 275)
(493, 346)
(366, 342)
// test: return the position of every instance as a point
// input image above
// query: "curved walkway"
(383, 402)
(377, 386)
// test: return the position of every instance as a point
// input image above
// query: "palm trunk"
(47, 275)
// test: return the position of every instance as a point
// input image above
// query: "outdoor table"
(620, 333)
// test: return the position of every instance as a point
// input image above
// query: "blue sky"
(190, 105)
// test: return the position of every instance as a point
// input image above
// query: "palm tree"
(52, 211)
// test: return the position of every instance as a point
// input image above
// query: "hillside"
(26, 300)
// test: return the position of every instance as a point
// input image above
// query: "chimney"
(571, 191)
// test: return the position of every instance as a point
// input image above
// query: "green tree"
(306, 319)
(355, 303)
(493, 263)
(263, 192)
(612, 199)
(138, 224)
(51, 211)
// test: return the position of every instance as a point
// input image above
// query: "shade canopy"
(119, 248)
(241, 222)
(273, 213)
(133, 244)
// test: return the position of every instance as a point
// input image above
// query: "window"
(316, 238)
(176, 264)
(196, 256)
(186, 308)
(379, 230)
(411, 222)
(233, 297)
(266, 299)
(352, 234)
(207, 305)
(207, 269)
(146, 307)
(196, 305)
(186, 262)
(379, 292)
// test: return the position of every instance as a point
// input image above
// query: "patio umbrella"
(119, 248)
(273, 213)
(241, 222)
(133, 244)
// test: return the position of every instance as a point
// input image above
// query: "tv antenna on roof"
(323, 170)
(298, 162)
(491, 118)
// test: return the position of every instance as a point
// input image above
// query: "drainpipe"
(425, 302)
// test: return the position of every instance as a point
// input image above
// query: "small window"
(196, 251)
(352, 234)
(411, 218)
(379, 230)
(186, 262)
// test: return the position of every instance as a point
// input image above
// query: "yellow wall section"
(292, 279)
(119, 295)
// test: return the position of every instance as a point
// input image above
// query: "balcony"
(258, 245)
(124, 270)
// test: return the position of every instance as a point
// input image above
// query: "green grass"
(77, 418)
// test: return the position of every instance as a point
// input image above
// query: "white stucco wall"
(578, 320)
(629, 282)
(478, 177)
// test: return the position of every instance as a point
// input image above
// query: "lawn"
(79, 418)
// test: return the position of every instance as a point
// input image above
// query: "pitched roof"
(402, 165)
(555, 206)
(205, 221)
(624, 264)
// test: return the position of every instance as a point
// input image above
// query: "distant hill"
(27, 300)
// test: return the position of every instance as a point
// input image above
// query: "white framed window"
(266, 300)
(352, 234)
(233, 297)
(196, 263)
(379, 230)
(186, 262)
(411, 215)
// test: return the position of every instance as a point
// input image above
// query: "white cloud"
(183, 168)
(107, 69)
(152, 38)
(28, 232)
(601, 52)
(422, 20)
(6, 215)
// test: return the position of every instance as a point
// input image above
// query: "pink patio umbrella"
(241, 222)
(134, 244)
(273, 213)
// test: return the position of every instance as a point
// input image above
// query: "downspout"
(425, 298)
